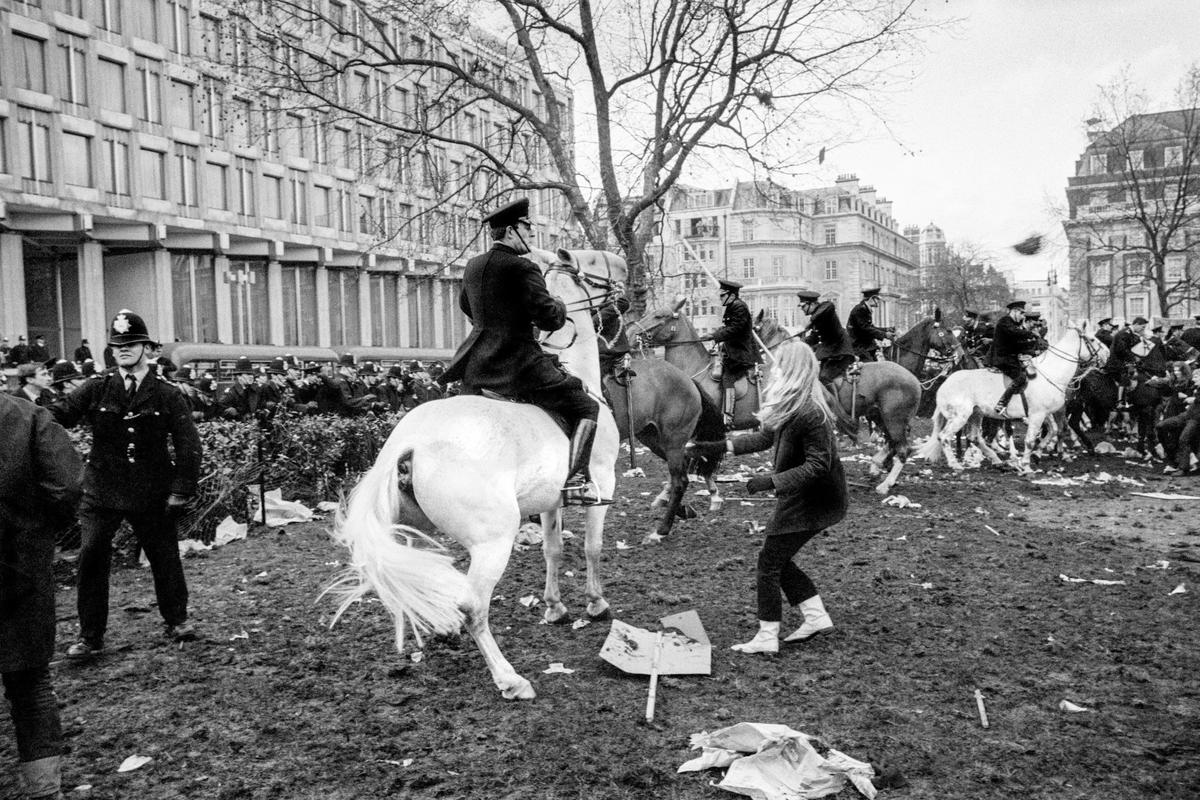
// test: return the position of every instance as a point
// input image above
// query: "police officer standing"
(861, 327)
(1012, 341)
(505, 297)
(736, 337)
(133, 414)
(240, 400)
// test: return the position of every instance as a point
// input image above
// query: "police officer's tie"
(130, 386)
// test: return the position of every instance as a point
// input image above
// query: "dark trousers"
(566, 397)
(34, 707)
(834, 366)
(155, 532)
(776, 571)
(1180, 437)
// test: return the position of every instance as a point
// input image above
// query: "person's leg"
(1018, 381)
(1168, 431)
(1189, 442)
(97, 527)
(155, 532)
(801, 591)
(38, 728)
(776, 551)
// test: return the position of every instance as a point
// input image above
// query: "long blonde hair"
(794, 386)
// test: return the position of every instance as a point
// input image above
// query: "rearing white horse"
(474, 468)
(969, 395)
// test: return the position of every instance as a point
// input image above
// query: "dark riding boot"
(730, 400)
(579, 489)
(1002, 403)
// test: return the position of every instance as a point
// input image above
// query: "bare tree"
(1135, 201)
(964, 280)
(702, 84)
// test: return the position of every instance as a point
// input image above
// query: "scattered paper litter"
(775, 762)
(405, 763)
(529, 600)
(731, 477)
(1071, 708)
(636, 472)
(280, 512)
(529, 533)
(327, 505)
(1166, 496)
(557, 668)
(899, 501)
(621, 545)
(227, 531)
(134, 762)
(417, 657)
(1180, 589)
(236, 636)
(1105, 448)
(1158, 565)
(1096, 581)
(702, 493)
(580, 623)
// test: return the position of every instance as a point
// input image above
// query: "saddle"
(557, 418)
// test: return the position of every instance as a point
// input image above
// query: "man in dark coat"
(83, 352)
(1180, 433)
(20, 353)
(1012, 341)
(826, 336)
(35, 384)
(134, 413)
(344, 394)
(240, 400)
(739, 353)
(38, 352)
(505, 297)
(40, 473)
(610, 331)
(1121, 358)
(977, 334)
(860, 325)
(1105, 332)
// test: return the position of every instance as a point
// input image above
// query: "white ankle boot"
(765, 641)
(816, 621)
(42, 778)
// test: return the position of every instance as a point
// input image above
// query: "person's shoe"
(765, 641)
(84, 650)
(183, 632)
(42, 778)
(816, 621)
(582, 493)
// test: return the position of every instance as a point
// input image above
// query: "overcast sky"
(992, 124)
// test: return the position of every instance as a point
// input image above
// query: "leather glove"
(760, 483)
(705, 449)
(177, 505)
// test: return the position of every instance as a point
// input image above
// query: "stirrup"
(1000, 408)
(582, 493)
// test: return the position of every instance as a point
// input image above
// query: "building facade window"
(110, 88)
(830, 234)
(385, 310)
(149, 90)
(106, 14)
(214, 108)
(299, 303)
(194, 297)
(77, 160)
(33, 131)
(216, 186)
(344, 308)
(776, 266)
(187, 160)
(143, 21)
(116, 163)
(249, 302)
(153, 174)
(748, 268)
(273, 197)
(831, 269)
(323, 206)
(73, 61)
(180, 30)
(182, 104)
(299, 192)
(29, 62)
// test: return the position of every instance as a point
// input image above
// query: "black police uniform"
(1012, 340)
(129, 475)
(610, 332)
(864, 334)
(736, 337)
(829, 341)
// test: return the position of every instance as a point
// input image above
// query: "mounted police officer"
(1012, 341)
(826, 336)
(977, 334)
(609, 320)
(1122, 359)
(736, 338)
(860, 325)
(505, 297)
(1105, 332)
(131, 475)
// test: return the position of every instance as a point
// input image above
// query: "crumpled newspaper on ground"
(774, 762)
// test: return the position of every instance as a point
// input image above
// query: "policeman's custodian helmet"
(511, 214)
(242, 367)
(128, 328)
(346, 360)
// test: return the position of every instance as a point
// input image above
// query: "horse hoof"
(658, 503)
(715, 505)
(685, 511)
(654, 538)
(520, 689)
(556, 615)
(600, 616)
(882, 489)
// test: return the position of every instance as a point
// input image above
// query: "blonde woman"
(809, 485)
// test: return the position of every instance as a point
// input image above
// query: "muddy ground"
(930, 604)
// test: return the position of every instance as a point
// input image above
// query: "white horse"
(969, 395)
(474, 468)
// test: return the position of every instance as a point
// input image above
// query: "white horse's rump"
(473, 468)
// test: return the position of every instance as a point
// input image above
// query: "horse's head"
(664, 325)
(770, 331)
(940, 337)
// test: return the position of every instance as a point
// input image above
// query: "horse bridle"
(1084, 341)
(589, 303)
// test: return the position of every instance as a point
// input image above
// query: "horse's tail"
(410, 572)
(932, 449)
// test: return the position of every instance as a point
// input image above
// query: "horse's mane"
(910, 335)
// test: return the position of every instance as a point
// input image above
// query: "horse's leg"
(955, 419)
(975, 435)
(664, 497)
(895, 435)
(716, 501)
(489, 558)
(552, 551)
(877, 460)
(677, 484)
(593, 543)
(1075, 422)
(1033, 429)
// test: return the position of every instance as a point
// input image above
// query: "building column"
(364, 308)
(402, 311)
(13, 322)
(224, 307)
(275, 301)
(439, 314)
(89, 261)
(323, 337)
(164, 304)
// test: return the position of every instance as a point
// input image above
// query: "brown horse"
(884, 393)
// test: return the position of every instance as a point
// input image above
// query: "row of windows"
(1133, 268)
(1148, 158)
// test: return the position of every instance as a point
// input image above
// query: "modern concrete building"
(835, 239)
(139, 169)
(1143, 170)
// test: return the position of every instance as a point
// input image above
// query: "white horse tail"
(932, 449)
(411, 573)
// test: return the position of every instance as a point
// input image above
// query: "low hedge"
(311, 458)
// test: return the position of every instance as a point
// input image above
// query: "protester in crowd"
(343, 394)
(810, 488)
(34, 384)
(20, 353)
(39, 486)
(83, 352)
(132, 475)
(66, 378)
(240, 400)
(1180, 434)
(38, 352)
